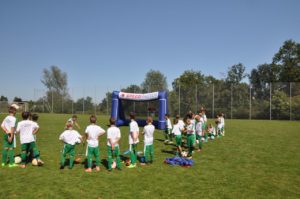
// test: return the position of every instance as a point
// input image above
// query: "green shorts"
(168, 131)
(190, 140)
(198, 137)
(178, 139)
(7, 144)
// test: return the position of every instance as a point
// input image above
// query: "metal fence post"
(290, 100)
(179, 100)
(250, 102)
(196, 98)
(83, 102)
(213, 102)
(107, 102)
(52, 100)
(231, 101)
(270, 101)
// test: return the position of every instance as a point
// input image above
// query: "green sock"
(200, 143)
(11, 156)
(71, 161)
(4, 156)
(23, 157)
(62, 159)
(133, 154)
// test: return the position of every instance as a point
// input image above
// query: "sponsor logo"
(138, 96)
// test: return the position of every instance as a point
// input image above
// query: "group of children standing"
(27, 130)
(71, 137)
(194, 130)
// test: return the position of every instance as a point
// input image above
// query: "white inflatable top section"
(138, 96)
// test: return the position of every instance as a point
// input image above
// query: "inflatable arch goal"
(118, 113)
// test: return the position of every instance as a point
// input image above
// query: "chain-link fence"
(280, 101)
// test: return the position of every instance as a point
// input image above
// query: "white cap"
(15, 106)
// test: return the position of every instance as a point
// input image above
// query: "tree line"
(273, 87)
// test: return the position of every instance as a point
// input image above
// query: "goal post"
(117, 110)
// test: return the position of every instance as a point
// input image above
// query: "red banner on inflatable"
(138, 96)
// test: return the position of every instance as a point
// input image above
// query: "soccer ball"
(114, 165)
(202, 139)
(34, 162)
(18, 160)
(183, 153)
(40, 163)
(127, 162)
(77, 160)
(197, 141)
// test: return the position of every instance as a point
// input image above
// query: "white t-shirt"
(148, 134)
(113, 133)
(204, 118)
(199, 126)
(169, 124)
(219, 125)
(212, 131)
(190, 128)
(9, 122)
(223, 121)
(93, 131)
(70, 137)
(177, 129)
(37, 125)
(181, 124)
(26, 128)
(133, 126)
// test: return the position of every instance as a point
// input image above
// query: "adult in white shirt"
(92, 133)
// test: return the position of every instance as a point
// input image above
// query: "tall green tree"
(3, 98)
(236, 74)
(154, 81)
(288, 59)
(187, 86)
(56, 82)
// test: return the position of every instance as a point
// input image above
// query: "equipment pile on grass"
(178, 161)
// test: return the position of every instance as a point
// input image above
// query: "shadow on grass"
(173, 151)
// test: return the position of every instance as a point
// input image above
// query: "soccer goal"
(153, 104)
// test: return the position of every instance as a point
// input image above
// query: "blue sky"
(105, 45)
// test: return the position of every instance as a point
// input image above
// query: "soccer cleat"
(97, 168)
(190, 157)
(23, 166)
(131, 166)
(61, 167)
(14, 165)
(88, 170)
(166, 141)
(40, 163)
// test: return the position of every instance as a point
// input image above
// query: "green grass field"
(256, 159)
